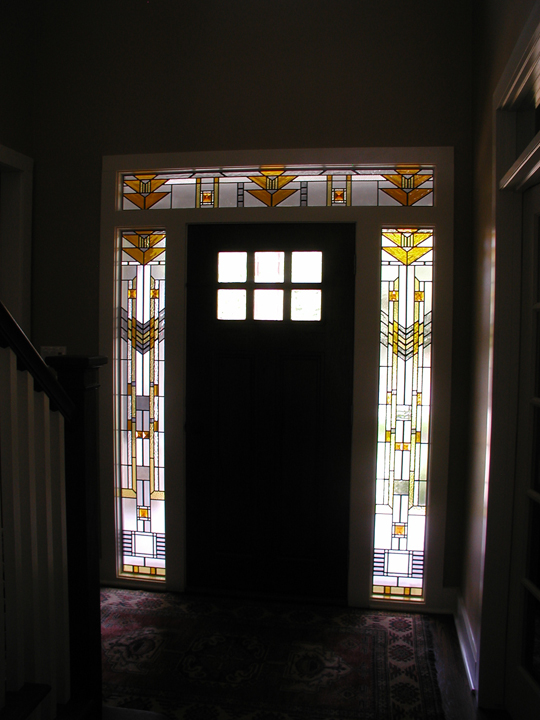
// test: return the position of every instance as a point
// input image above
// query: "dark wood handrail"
(28, 358)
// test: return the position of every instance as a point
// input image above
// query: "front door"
(269, 395)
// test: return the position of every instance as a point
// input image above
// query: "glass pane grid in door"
(404, 413)
(140, 405)
(275, 270)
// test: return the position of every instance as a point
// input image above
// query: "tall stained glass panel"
(141, 378)
(404, 412)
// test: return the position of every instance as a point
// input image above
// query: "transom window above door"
(270, 285)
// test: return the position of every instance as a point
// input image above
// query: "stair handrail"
(28, 358)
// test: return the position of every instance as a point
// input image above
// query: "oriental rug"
(201, 658)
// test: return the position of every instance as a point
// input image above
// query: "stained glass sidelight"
(280, 185)
(140, 408)
(404, 410)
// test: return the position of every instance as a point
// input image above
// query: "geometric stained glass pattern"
(404, 411)
(280, 185)
(141, 472)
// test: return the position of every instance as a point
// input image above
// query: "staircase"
(50, 652)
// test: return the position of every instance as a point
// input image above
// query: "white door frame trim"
(439, 216)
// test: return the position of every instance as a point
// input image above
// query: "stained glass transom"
(405, 348)
(404, 411)
(141, 399)
(280, 185)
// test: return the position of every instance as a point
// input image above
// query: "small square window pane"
(231, 304)
(269, 267)
(232, 267)
(306, 267)
(268, 305)
(306, 304)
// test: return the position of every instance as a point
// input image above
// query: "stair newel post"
(79, 375)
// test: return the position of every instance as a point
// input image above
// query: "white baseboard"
(467, 644)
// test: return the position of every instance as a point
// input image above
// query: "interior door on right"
(523, 656)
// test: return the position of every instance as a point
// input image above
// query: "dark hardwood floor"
(458, 701)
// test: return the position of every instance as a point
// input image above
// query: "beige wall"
(17, 45)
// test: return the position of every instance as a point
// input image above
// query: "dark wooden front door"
(269, 413)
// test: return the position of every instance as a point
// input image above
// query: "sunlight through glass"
(269, 267)
(232, 267)
(306, 305)
(306, 267)
(268, 305)
(231, 305)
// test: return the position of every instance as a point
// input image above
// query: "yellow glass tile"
(418, 296)
(399, 529)
(388, 437)
(207, 197)
(393, 295)
(396, 591)
(403, 170)
(132, 293)
(407, 591)
(406, 446)
(143, 570)
(129, 425)
(387, 590)
(398, 446)
(152, 571)
(154, 293)
(127, 568)
(416, 591)
(143, 512)
(389, 398)
(419, 398)
(135, 568)
(418, 436)
(160, 571)
(268, 170)
(407, 183)
(140, 434)
(156, 425)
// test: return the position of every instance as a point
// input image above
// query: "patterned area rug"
(198, 658)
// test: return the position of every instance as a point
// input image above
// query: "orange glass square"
(339, 196)
(143, 512)
(393, 295)
(132, 293)
(207, 197)
(418, 296)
